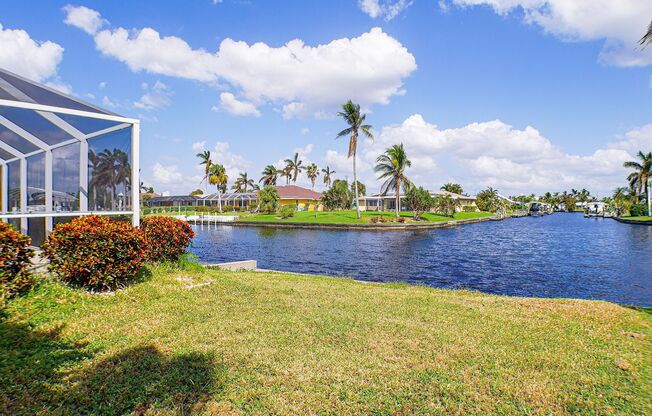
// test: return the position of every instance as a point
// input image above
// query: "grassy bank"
(641, 218)
(350, 217)
(195, 341)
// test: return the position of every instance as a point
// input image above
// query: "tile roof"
(296, 192)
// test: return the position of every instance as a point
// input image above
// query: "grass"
(188, 340)
(640, 218)
(349, 217)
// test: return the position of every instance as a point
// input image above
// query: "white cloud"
(158, 96)
(235, 107)
(620, 23)
(199, 146)
(107, 102)
(83, 18)
(304, 131)
(167, 175)
(60, 86)
(21, 54)
(304, 80)
(233, 163)
(101, 85)
(496, 154)
(387, 10)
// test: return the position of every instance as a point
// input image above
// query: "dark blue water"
(560, 255)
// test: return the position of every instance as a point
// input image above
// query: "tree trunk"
(398, 198)
(649, 203)
(355, 187)
(219, 200)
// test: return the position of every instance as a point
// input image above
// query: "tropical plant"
(218, 177)
(391, 166)
(286, 172)
(197, 192)
(287, 211)
(446, 205)
(328, 176)
(622, 200)
(362, 189)
(312, 171)
(15, 262)
(488, 200)
(166, 238)
(419, 200)
(642, 172)
(338, 196)
(646, 40)
(268, 199)
(351, 114)
(294, 167)
(455, 188)
(205, 158)
(243, 183)
(269, 175)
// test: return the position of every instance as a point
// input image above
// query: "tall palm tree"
(642, 172)
(351, 114)
(123, 174)
(205, 157)
(217, 176)
(242, 183)
(455, 188)
(294, 166)
(287, 173)
(270, 175)
(312, 171)
(328, 176)
(108, 172)
(646, 40)
(392, 165)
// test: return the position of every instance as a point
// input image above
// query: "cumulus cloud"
(233, 163)
(620, 23)
(496, 154)
(107, 102)
(199, 146)
(83, 18)
(23, 55)
(304, 80)
(387, 9)
(156, 96)
(235, 107)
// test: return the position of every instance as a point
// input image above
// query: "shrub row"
(15, 260)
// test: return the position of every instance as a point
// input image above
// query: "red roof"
(296, 192)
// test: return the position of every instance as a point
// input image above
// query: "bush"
(419, 201)
(95, 252)
(374, 220)
(401, 219)
(15, 255)
(286, 211)
(638, 210)
(268, 199)
(469, 208)
(166, 238)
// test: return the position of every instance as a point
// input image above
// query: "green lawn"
(213, 342)
(349, 217)
(641, 218)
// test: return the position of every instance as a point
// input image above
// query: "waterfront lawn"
(214, 342)
(350, 217)
(641, 218)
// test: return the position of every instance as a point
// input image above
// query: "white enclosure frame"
(49, 113)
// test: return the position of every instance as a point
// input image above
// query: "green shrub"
(95, 252)
(166, 238)
(15, 255)
(419, 201)
(637, 210)
(268, 199)
(287, 211)
(469, 208)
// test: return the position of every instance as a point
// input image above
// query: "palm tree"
(294, 166)
(217, 176)
(242, 183)
(312, 171)
(270, 175)
(642, 171)
(646, 40)
(287, 173)
(108, 169)
(328, 176)
(205, 157)
(123, 174)
(392, 165)
(351, 114)
(455, 188)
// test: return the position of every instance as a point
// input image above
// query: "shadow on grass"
(42, 373)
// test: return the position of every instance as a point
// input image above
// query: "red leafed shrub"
(95, 252)
(15, 255)
(166, 238)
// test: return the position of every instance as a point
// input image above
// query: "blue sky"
(521, 95)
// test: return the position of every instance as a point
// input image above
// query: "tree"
(351, 114)
(312, 171)
(270, 175)
(287, 173)
(268, 199)
(337, 196)
(328, 176)
(218, 177)
(242, 183)
(455, 188)
(446, 205)
(419, 201)
(205, 158)
(622, 199)
(391, 166)
(362, 189)
(642, 172)
(646, 40)
(197, 192)
(488, 200)
(294, 167)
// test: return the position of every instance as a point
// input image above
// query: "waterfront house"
(302, 199)
(387, 202)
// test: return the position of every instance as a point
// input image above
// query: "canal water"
(559, 255)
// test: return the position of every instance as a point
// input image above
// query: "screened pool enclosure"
(61, 158)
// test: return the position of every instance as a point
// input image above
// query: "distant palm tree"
(217, 176)
(351, 114)
(642, 171)
(328, 176)
(287, 173)
(242, 183)
(646, 40)
(312, 171)
(270, 175)
(455, 188)
(205, 157)
(392, 165)
(294, 167)
(123, 174)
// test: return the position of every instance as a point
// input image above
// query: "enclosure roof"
(232, 196)
(174, 198)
